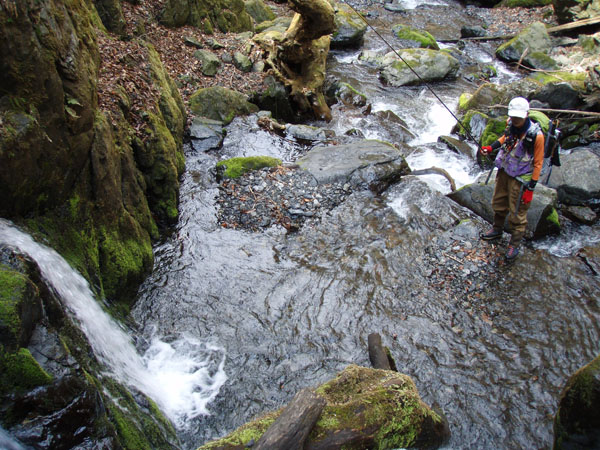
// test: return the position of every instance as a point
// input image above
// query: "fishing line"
(416, 74)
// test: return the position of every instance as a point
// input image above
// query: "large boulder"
(373, 164)
(111, 13)
(536, 40)
(572, 10)
(349, 28)
(577, 180)
(226, 15)
(259, 11)
(430, 65)
(219, 103)
(577, 421)
(365, 408)
(542, 217)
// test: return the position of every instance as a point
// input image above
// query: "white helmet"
(518, 107)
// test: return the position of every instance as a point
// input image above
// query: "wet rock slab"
(361, 163)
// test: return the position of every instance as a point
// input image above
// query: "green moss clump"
(423, 39)
(244, 434)
(493, 130)
(577, 80)
(122, 260)
(553, 217)
(463, 101)
(236, 167)
(12, 285)
(20, 371)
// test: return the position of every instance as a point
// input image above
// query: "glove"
(531, 185)
(527, 194)
(486, 150)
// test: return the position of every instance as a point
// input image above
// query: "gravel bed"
(289, 197)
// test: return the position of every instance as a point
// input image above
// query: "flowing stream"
(293, 310)
(232, 324)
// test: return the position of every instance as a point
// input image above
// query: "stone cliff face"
(68, 170)
(96, 189)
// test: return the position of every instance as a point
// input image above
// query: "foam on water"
(182, 376)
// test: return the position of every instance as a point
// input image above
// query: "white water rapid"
(182, 376)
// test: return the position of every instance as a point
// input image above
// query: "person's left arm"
(538, 157)
(538, 162)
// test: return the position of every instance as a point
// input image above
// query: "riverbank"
(176, 47)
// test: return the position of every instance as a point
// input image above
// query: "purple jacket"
(516, 160)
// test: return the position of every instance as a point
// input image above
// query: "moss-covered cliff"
(84, 179)
(53, 392)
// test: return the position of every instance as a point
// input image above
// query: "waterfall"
(182, 376)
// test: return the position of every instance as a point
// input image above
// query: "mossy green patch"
(236, 167)
(244, 434)
(122, 260)
(12, 285)
(421, 38)
(577, 80)
(463, 101)
(20, 371)
(553, 217)
(492, 131)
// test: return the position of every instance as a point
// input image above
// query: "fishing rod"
(467, 132)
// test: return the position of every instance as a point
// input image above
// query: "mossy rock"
(430, 65)
(19, 372)
(259, 11)
(226, 15)
(219, 103)
(577, 421)
(350, 29)
(371, 408)
(577, 80)
(111, 14)
(540, 60)
(236, 167)
(415, 38)
(534, 38)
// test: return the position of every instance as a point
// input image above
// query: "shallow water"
(293, 310)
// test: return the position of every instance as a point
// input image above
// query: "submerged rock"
(542, 217)
(206, 134)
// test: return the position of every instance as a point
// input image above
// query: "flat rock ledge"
(298, 195)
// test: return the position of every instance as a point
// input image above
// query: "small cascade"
(182, 376)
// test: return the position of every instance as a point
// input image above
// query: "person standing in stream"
(519, 162)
